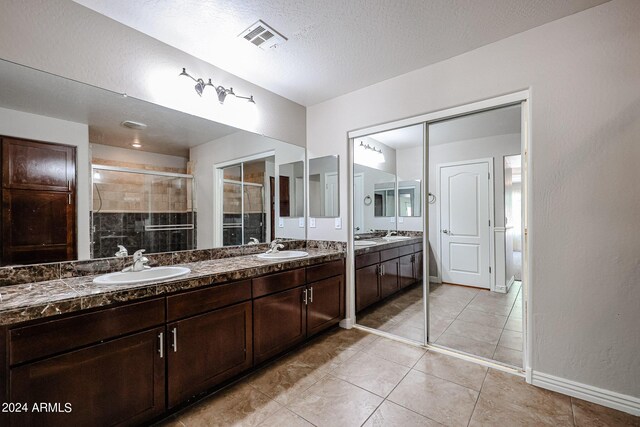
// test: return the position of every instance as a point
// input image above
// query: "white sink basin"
(363, 243)
(394, 238)
(284, 255)
(134, 277)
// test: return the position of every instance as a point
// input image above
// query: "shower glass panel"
(141, 209)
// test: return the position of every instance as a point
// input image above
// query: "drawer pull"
(161, 348)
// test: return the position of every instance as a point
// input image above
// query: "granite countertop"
(29, 301)
(385, 244)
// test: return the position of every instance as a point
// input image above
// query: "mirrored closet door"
(388, 231)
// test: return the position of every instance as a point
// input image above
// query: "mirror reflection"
(291, 189)
(388, 242)
(324, 195)
(121, 172)
(409, 198)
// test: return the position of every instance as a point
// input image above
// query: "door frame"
(492, 249)
(520, 97)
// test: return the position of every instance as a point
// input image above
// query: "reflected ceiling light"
(136, 144)
(221, 91)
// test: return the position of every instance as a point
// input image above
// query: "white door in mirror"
(144, 276)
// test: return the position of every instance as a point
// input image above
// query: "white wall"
(126, 155)
(67, 39)
(41, 128)
(583, 72)
(232, 147)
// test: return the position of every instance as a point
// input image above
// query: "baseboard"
(610, 399)
(434, 279)
(346, 323)
(510, 282)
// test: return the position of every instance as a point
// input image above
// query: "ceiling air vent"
(263, 36)
(133, 125)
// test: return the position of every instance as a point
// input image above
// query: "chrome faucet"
(139, 262)
(275, 247)
(253, 241)
(122, 252)
(390, 233)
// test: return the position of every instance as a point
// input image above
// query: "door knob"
(445, 231)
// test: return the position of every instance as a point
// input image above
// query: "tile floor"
(351, 378)
(476, 321)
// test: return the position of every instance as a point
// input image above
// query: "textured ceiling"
(169, 131)
(334, 46)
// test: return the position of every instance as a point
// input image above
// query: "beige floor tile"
(467, 374)
(322, 356)
(508, 356)
(467, 345)
(172, 421)
(512, 393)
(511, 339)
(334, 402)
(348, 339)
(489, 307)
(394, 351)
(587, 414)
(490, 412)
(440, 400)
(481, 318)
(475, 330)
(513, 324)
(409, 332)
(285, 380)
(372, 373)
(285, 417)
(239, 405)
(391, 415)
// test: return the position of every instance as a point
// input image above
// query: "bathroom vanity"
(107, 355)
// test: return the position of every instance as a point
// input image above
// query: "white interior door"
(331, 194)
(464, 223)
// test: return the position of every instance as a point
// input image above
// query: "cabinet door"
(406, 273)
(389, 277)
(207, 349)
(418, 269)
(114, 383)
(367, 289)
(325, 304)
(279, 322)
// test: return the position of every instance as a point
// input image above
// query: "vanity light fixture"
(375, 154)
(221, 91)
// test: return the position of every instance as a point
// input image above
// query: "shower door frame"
(522, 98)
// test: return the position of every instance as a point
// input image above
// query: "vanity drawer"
(203, 300)
(57, 336)
(389, 254)
(324, 271)
(367, 259)
(417, 247)
(278, 282)
(405, 250)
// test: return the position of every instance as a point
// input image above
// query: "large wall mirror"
(324, 187)
(118, 171)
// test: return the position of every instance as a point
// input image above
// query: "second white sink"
(284, 255)
(393, 238)
(134, 277)
(364, 243)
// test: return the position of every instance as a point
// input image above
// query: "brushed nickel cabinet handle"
(305, 297)
(311, 297)
(161, 348)
(174, 331)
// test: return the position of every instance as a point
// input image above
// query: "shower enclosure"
(141, 209)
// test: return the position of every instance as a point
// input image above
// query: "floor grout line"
(478, 398)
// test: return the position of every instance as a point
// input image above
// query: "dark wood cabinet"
(406, 270)
(114, 383)
(389, 278)
(380, 274)
(38, 202)
(205, 350)
(325, 304)
(367, 289)
(279, 322)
